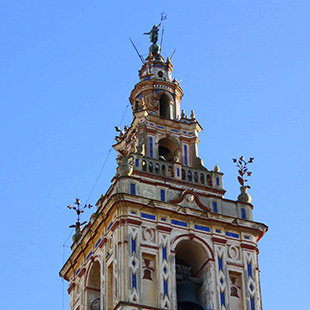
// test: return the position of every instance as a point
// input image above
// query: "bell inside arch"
(187, 296)
(95, 305)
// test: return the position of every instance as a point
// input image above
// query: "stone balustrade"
(177, 171)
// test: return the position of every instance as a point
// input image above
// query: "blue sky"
(67, 69)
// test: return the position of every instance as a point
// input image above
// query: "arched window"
(164, 106)
(93, 287)
(167, 149)
(192, 262)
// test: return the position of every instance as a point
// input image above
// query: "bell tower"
(164, 236)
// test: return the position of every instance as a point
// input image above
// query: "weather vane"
(243, 174)
(78, 209)
(163, 16)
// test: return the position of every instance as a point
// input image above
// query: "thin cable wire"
(93, 188)
(99, 175)
(120, 124)
(105, 161)
(64, 245)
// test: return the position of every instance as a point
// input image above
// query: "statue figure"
(153, 34)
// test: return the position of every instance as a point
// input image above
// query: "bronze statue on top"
(153, 33)
(154, 48)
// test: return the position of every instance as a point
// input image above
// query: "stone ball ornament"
(216, 168)
(154, 49)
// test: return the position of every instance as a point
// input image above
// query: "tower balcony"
(177, 171)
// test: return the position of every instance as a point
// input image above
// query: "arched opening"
(202, 178)
(144, 165)
(189, 176)
(209, 180)
(163, 170)
(164, 106)
(196, 177)
(151, 167)
(93, 287)
(167, 149)
(191, 275)
(157, 168)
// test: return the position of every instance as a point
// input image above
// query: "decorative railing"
(177, 171)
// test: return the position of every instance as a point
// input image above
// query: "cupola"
(156, 92)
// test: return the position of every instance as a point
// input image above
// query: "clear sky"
(66, 72)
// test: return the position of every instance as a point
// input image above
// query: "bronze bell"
(187, 297)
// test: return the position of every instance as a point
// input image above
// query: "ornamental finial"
(78, 209)
(243, 173)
